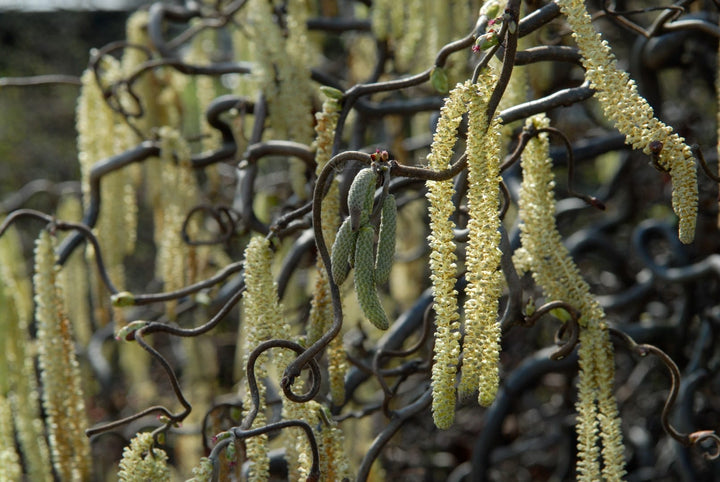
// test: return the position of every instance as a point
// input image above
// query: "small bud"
(596, 203)
(331, 92)
(486, 41)
(127, 332)
(561, 314)
(530, 307)
(493, 11)
(221, 436)
(203, 299)
(122, 299)
(230, 452)
(235, 413)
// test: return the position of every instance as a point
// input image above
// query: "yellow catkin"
(22, 385)
(334, 463)
(440, 27)
(463, 15)
(75, 277)
(321, 312)
(481, 344)
(262, 320)
(554, 270)
(60, 374)
(10, 469)
(411, 35)
(294, 72)
(203, 471)
(381, 18)
(202, 49)
(178, 196)
(142, 462)
(102, 134)
(442, 261)
(297, 447)
(284, 64)
(338, 366)
(146, 87)
(633, 116)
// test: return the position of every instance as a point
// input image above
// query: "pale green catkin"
(360, 198)
(386, 240)
(365, 279)
(343, 249)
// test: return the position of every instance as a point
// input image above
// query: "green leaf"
(439, 80)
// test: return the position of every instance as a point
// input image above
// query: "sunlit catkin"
(102, 134)
(554, 270)
(321, 307)
(262, 321)
(442, 261)
(178, 196)
(481, 343)
(297, 448)
(321, 311)
(334, 463)
(284, 57)
(142, 462)
(75, 277)
(59, 371)
(632, 115)
(10, 469)
(407, 44)
(23, 393)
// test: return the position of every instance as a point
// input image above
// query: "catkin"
(141, 462)
(633, 116)
(23, 392)
(365, 279)
(386, 240)
(9, 461)
(443, 261)
(343, 251)
(360, 198)
(558, 275)
(481, 344)
(60, 373)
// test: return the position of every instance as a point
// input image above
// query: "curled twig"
(222, 216)
(570, 324)
(81, 229)
(690, 439)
